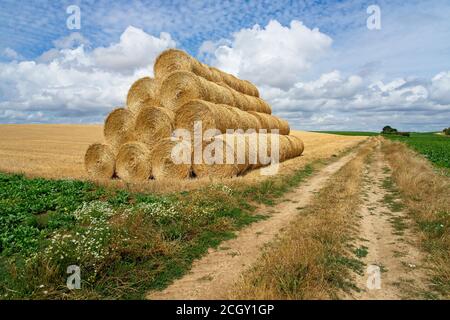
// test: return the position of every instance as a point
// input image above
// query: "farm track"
(387, 236)
(213, 276)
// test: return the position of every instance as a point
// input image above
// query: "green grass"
(351, 133)
(435, 148)
(125, 243)
(361, 252)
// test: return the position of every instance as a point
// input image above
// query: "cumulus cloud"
(136, 49)
(329, 85)
(336, 102)
(10, 54)
(71, 83)
(440, 88)
(273, 56)
(277, 58)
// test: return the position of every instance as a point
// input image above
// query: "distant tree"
(403, 134)
(389, 130)
(446, 131)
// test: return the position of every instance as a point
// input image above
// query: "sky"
(317, 63)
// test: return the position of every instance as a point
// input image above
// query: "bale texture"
(246, 151)
(283, 126)
(176, 60)
(154, 124)
(297, 146)
(119, 128)
(182, 86)
(143, 90)
(163, 165)
(134, 162)
(243, 149)
(266, 122)
(214, 116)
(216, 165)
(99, 161)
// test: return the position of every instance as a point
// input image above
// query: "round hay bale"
(293, 147)
(250, 88)
(218, 169)
(134, 162)
(243, 86)
(262, 106)
(163, 165)
(285, 148)
(234, 117)
(262, 150)
(99, 161)
(212, 116)
(216, 76)
(119, 128)
(241, 119)
(143, 90)
(181, 87)
(283, 125)
(254, 146)
(220, 94)
(201, 70)
(242, 151)
(297, 146)
(267, 121)
(170, 61)
(173, 60)
(253, 121)
(153, 124)
(242, 102)
(263, 120)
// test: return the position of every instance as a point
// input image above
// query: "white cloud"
(277, 58)
(136, 49)
(336, 102)
(76, 84)
(329, 85)
(11, 54)
(73, 82)
(440, 88)
(73, 40)
(273, 56)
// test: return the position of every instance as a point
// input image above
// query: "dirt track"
(214, 275)
(386, 234)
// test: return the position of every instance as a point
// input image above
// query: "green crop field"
(435, 148)
(126, 243)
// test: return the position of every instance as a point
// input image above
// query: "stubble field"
(57, 151)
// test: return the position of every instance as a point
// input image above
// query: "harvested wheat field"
(57, 151)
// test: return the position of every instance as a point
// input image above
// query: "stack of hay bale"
(138, 144)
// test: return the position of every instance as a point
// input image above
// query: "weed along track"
(213, 276)
(387, 245)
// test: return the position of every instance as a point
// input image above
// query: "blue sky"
(344, 77)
